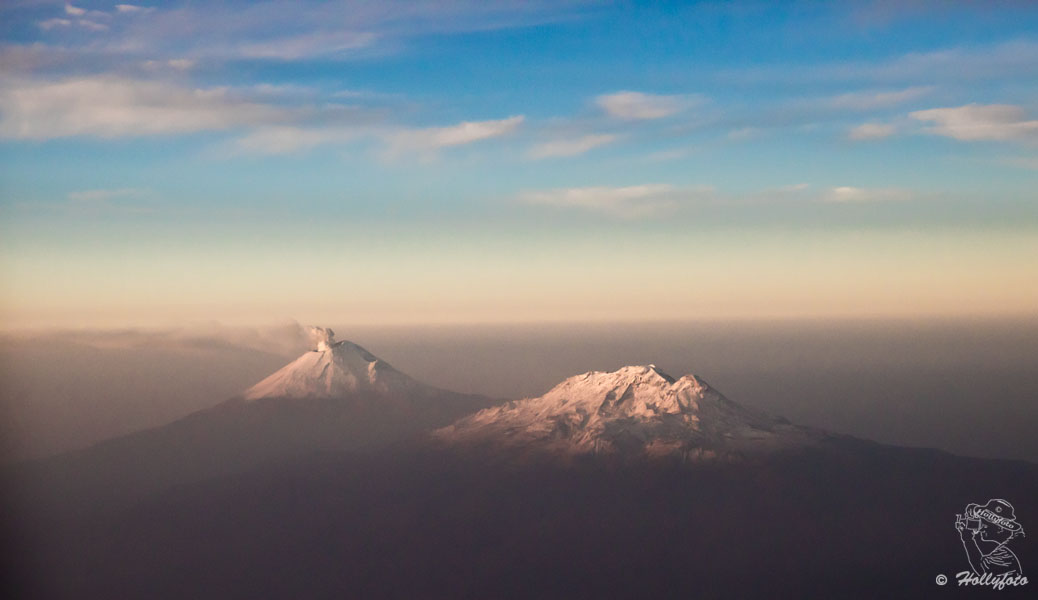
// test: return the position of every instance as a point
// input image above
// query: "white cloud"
(973, 122)
(869, 100)
(281, 30)
(638, 201)
(871, 131)
(132, 9)
(655, 200)
(111, 107)
(92, 25)
(288, 139)
(1006, 59)
(177, 64)
(856, 195)
(96, 195)
(285, 90)
(121, 107)
(84, 23)
(433, 138)
(52, 23)
(570, 147)
(85, 19)
(314, 44)
(109, 201)
(638, 106)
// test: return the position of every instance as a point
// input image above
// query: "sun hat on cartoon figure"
(997, 512)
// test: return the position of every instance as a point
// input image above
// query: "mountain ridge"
(636, 409)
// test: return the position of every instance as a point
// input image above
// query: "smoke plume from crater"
(321, 338)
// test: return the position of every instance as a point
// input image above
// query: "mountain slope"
(837, 517)
(336, 398)
(634, 410)
(872, 522)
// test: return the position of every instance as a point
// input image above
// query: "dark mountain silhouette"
(765, 510)
(338, 397)
(861, 521)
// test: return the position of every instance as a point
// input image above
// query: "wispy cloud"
(1015, 58)
(570, 147)
(818, 113)
(978, 62)
(284, 30)
(431, 139)
(109, 194)
(111, 107)
(307, 45)
(81, 17)
(177, 64)
(639, 106)
(630, 202)
(133, 9)
(660, 199)
(872, 99)
(858, 195)
(92, 25)
(129, 201)
(267, 119)
(976, 122)
(289, 139)
(807, 194)
(871, 131)
(49, 24)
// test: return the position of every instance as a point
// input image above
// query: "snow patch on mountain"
(636, 409)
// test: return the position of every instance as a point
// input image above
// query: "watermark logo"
(986, 532)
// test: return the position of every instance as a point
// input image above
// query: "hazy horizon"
(966, 386)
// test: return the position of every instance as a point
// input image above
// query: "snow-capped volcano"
(334, 370)
(636, 409)
(336, 397)
(357, 386)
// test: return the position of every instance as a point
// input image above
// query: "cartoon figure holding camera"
(994, 523)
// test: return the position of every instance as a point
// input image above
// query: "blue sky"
(456, 161)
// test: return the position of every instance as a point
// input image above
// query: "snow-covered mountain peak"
(639, 373)
(638, 390)
(635, 408)
(332, 370)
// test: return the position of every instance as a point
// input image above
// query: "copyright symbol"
(941, 580)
